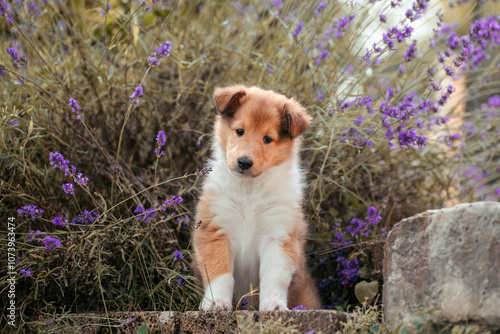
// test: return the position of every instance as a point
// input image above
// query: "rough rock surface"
(447, 259)
(319, 321)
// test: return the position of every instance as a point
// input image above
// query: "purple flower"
(25, 273)
(81, 180)
(341, 26)
(51, 243)
(173, 201)
(32, 235)
(69, 188)
(300, 307)
(450, 71)
(320, 95)
(138, 92)
(75, 107)
(57, 160)
(30, 211)
(14, 54)
(58, 221)
(382, 18)
(180, 281)
(494, 101)
(178, 255)
(85, 217)
(434, 85)
(153, 61)
(389, 94)
(297, 30)
(146, 214)
(203, 171)
(410, 138)
(164, 49)
(160, 138)
(322, 5)
(453, 41)
(402, 69)
(411, 52)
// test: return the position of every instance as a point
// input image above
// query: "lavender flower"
(161, 51)
(203, 171)
(453, 41)
(450, 71)
(57, 160)
(69, 188)
(173, 201)
(14, 54)
(153, 61)
(297, 30)
(51, 243)
(75, 108)
(25, 273)
(382, 18)
(85, 217)
(341, 26)
(81, 180)
(322, 5)
(300, 307)
(33, 234)
(164, 49)
(320, 95)
(138, 92)
(411, 52)
(30, 211)
(160, 141)
(58, 221)
(409, 138)
(434, 85)
(146, 214)
(178, 255)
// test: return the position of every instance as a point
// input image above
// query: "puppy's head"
(257, 128)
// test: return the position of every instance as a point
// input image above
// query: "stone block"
(448, 260)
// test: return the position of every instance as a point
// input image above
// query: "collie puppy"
(252, 229)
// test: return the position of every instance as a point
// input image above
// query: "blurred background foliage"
(321, 53)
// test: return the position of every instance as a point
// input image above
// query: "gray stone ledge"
(319, 321)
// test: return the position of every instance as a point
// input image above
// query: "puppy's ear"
(228, 99)
(295, 120)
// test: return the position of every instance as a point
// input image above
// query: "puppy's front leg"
(277, 265)
(213, 256)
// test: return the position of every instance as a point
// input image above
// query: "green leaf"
(143, 329)
(111, 70)
(364, 272)
(365, 291)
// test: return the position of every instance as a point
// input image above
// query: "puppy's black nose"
(245, 163)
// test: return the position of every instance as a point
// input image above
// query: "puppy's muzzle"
(245, 164)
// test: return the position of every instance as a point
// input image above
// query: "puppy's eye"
(240, 132)
(267, 140)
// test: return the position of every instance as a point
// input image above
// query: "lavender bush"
(106, 118)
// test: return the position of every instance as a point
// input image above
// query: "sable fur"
(252, 230)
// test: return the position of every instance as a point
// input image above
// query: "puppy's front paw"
(218, 304)
(273, 305)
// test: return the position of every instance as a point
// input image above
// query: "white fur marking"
(219, 294)
(276, 272)
(257, 214)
